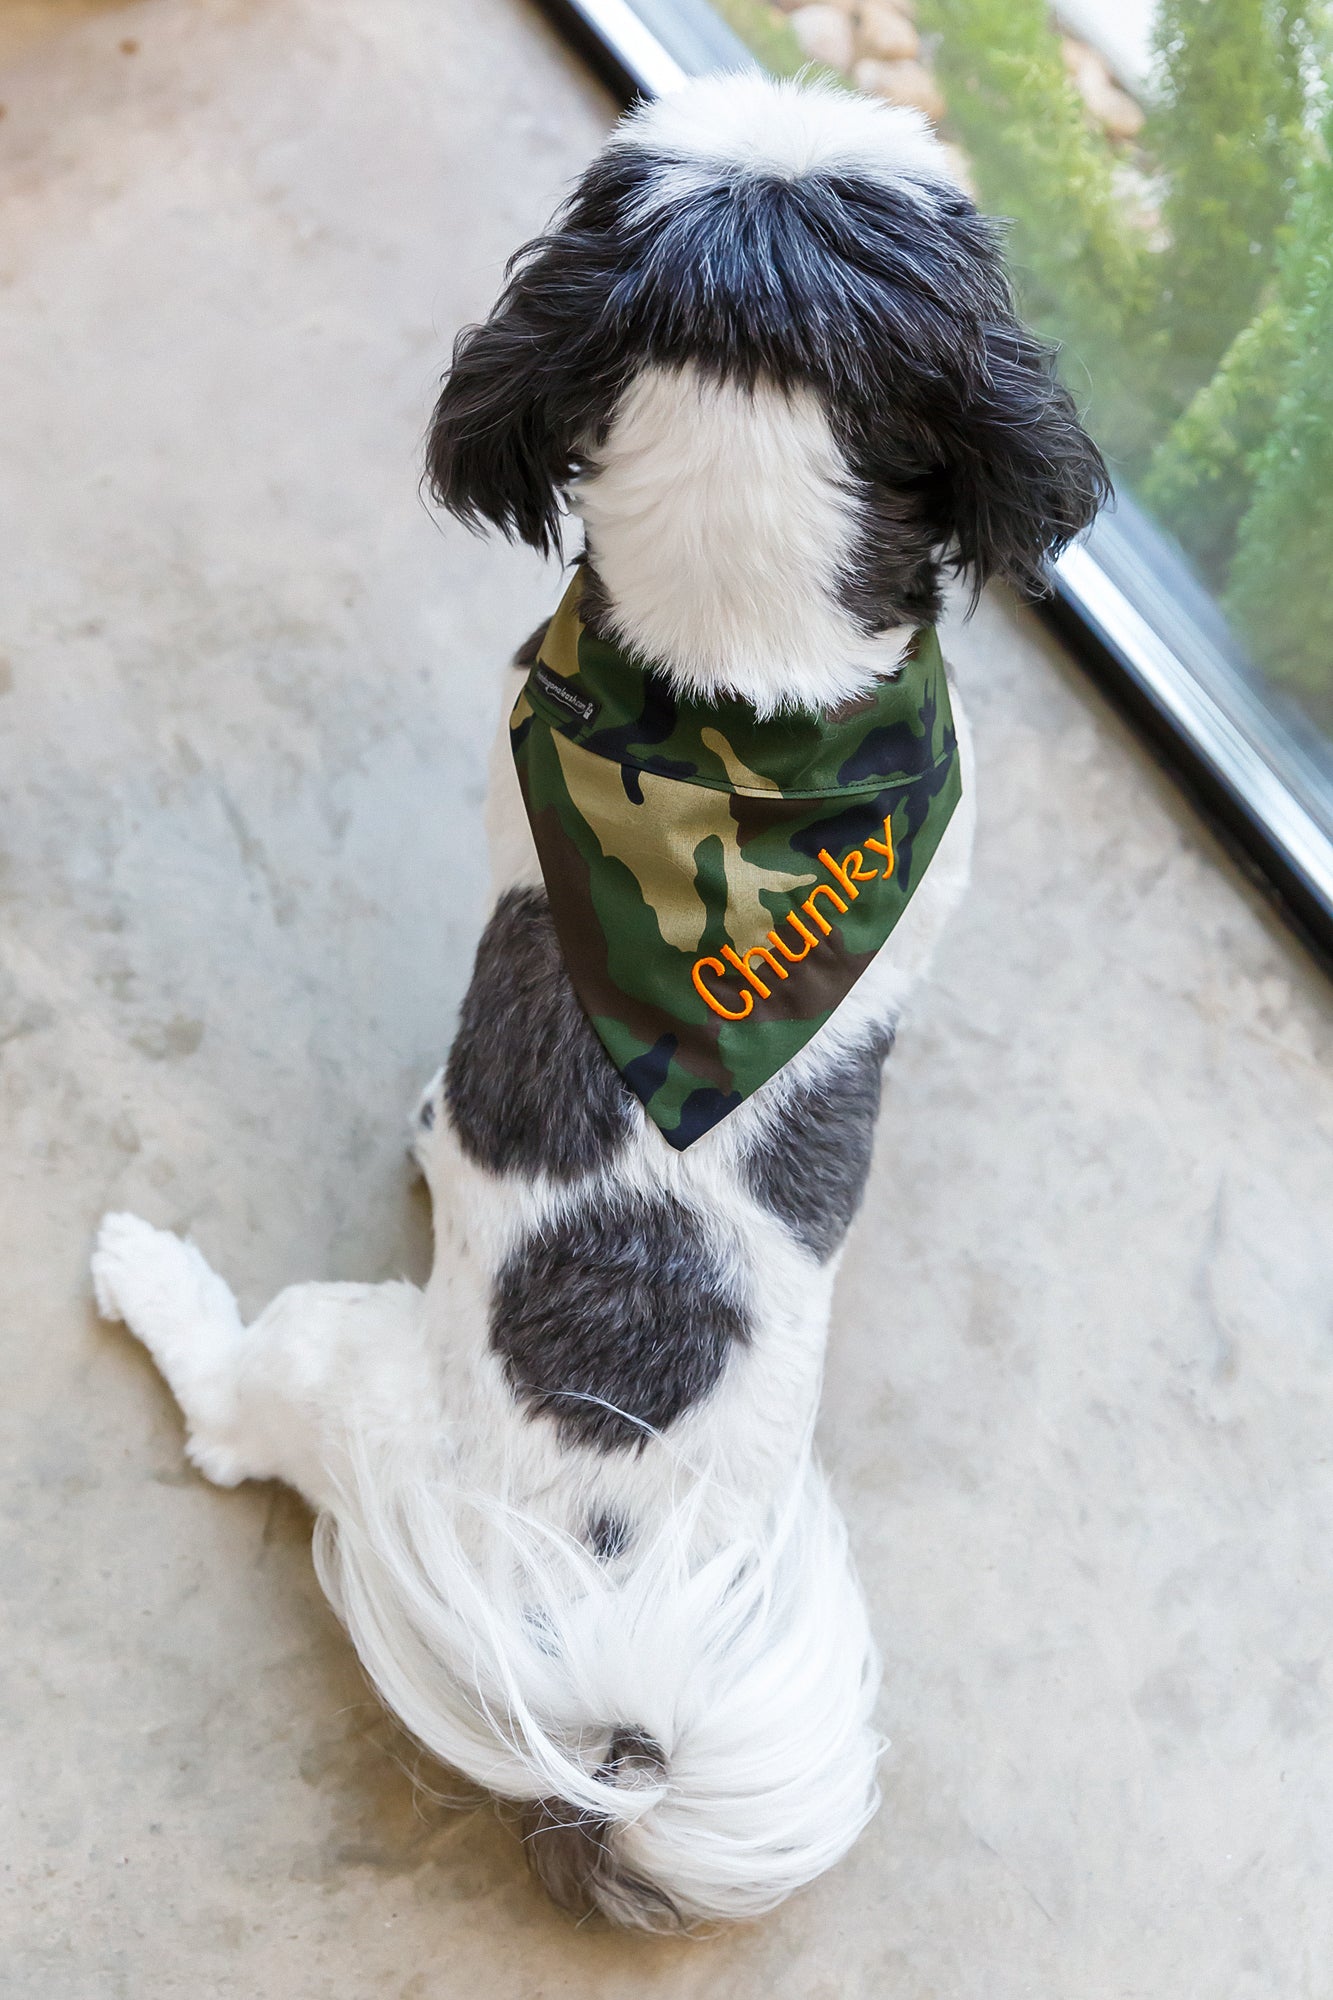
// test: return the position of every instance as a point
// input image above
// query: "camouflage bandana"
(719, 883)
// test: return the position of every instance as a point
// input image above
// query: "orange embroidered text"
(849, 874)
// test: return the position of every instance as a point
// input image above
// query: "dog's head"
(798, 261)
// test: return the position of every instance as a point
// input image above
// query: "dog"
(568, 1506)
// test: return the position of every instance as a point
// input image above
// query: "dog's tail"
(688, 1732)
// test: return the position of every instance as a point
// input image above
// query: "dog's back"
(770, 354)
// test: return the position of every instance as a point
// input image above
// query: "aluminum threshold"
(645, 50)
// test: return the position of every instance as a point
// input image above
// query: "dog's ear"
(531, 385)
(949, 396)
(1023, 476)
(493, 455)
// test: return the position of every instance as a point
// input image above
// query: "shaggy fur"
(568, 1507)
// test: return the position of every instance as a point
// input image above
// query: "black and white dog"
(768, 355)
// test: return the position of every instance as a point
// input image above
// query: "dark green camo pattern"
(676, 837)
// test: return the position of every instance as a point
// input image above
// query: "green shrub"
(1201, 478)
(1229, 136)
(1080, 266)
(1281, 592)
(766, 33)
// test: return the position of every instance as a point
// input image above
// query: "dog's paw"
(221, 1464)
(425, 1119)
(126, 1250)
(159, 1285)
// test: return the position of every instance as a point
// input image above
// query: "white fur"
(720, 519)
(746, 1657)
(762, 125)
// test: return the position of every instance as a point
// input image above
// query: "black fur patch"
(529, 1087)
(816, 1187)
(573, 1853)
(526, 656)
(893, 575)
(623, 1305)
(608, 1536)
(890, 300)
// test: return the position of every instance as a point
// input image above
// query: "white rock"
(885, 33)
(1120, 116)
(825, 35)
(1114, 109)
(901, 83)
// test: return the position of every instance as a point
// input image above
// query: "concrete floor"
(1079, 1388)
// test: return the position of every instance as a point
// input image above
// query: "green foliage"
(1080, 265)
(1201, 478)
(1281, 593)
(767, 33)
(1230, 138)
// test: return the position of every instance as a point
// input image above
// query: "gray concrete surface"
(1079, 1387)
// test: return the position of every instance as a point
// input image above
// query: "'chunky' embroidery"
(719, 883)
(850, 872)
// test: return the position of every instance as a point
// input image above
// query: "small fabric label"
(562, 696)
